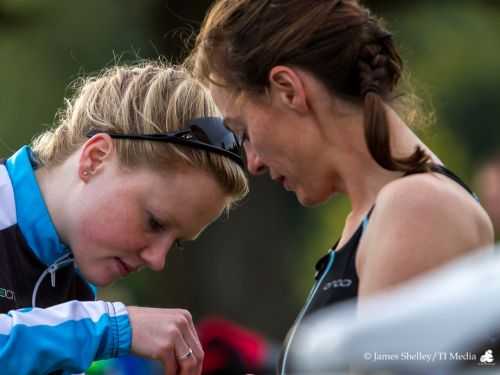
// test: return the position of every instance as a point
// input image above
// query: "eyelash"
(156, 226)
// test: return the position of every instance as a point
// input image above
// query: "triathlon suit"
(336, 278)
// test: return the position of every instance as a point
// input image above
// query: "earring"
(85, 173)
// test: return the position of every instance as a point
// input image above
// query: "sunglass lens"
(211, 130)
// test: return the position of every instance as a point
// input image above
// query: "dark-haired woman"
(309, 87)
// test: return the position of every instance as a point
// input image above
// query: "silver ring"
(186, 355)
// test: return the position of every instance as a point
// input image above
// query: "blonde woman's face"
(128, 220)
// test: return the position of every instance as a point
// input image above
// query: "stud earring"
(85, 173)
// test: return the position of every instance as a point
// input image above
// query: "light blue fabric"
(71, 345)
(33, 216)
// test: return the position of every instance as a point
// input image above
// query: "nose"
(254, 164)
(154, 255)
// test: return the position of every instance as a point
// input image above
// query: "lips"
(277, 178)
(282, 181)
(124, 268)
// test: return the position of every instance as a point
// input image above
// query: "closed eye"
(154, 224)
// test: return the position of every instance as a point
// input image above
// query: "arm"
(71, 335)
(419, 223)
(68, 336)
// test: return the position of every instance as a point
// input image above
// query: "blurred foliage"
(49, 45)
(457, 56)
(254, 267)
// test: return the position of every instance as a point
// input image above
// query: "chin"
(98, 279)
(312, 199)
(308, 201)
(101, 284)
(98, 282)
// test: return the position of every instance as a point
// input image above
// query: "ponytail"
(379, 73)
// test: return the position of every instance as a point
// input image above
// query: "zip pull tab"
(52, 271)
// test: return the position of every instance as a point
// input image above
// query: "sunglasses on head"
(205, 133)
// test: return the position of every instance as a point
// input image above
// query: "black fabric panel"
(20, 270)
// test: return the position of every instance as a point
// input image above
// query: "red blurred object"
(230, 348)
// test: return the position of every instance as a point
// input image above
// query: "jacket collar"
(33, 217)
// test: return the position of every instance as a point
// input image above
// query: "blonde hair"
(150, 97)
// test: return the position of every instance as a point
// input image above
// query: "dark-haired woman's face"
(278, 141)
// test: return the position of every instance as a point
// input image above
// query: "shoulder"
(430, 199)
(420, 204)
(419, 222)
(421, 189)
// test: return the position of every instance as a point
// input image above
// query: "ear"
(94, 154)
(287, 86)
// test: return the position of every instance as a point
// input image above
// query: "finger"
(193, 341)
(191, 338)
(196, 359)
(170, 363)
(187, 361)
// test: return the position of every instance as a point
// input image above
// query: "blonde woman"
(137, 163)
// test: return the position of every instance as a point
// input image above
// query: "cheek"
(264, 148)
(111, 228)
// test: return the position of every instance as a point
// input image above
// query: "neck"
(55, 187)
(358, 175)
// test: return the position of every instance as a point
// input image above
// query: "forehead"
(228, 101)
(241, 110)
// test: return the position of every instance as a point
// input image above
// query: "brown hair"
(151, 97)
(339, 41)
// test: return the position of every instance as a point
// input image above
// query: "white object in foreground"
(431, 325)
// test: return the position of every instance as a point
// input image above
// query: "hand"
(167, 335)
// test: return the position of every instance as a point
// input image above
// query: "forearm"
(68, 336)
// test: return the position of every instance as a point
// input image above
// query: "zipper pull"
(52, 271)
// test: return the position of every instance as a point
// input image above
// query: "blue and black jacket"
(49, 320)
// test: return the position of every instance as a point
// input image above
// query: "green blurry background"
(255, 266)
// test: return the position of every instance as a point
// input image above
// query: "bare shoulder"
(419, 222)
(428, 198)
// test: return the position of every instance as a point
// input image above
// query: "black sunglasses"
(206, 133)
